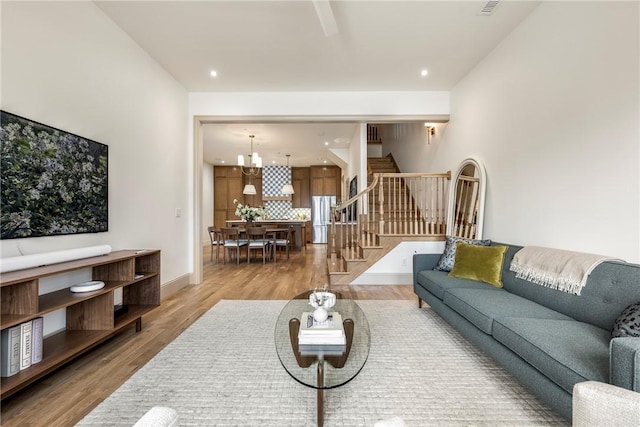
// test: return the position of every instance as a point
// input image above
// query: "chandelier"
(253, 169)
(255, 161)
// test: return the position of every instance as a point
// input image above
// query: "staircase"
(395, 207)
(391, 189)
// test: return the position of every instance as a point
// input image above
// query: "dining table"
(299, 228)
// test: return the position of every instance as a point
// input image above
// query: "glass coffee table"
(315, 369)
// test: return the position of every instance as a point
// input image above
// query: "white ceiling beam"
(325, 15)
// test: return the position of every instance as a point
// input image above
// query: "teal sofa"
(549, 340)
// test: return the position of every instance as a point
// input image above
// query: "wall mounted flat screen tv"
(52, 182)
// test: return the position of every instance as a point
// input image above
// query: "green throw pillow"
(483, 263)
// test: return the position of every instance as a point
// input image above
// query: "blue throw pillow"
(628, 323)
(446, 261)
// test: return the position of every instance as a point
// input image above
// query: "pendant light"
(255, 163)
(249, 189)
(287, 189)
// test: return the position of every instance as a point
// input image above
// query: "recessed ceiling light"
(424, 73)
(326, 143)
(213, 73)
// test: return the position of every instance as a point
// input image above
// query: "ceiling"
(307, 143)
(309, 46)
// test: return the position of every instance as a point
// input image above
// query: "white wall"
(553, 112)
(396, 267)
(67, 65)
(207, 201)
(357, 160)
(319, 104)
(409, 144)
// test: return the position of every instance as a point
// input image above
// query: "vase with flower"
(322, 301)
(248, 213)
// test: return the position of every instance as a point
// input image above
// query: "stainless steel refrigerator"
(321, 217)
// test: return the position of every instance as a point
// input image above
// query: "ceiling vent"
(488, 8)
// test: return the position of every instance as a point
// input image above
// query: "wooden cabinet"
(325, 181)
(228, 183)
(90, 316)
(308, 231)
(301, 186)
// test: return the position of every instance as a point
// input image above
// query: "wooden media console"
(90, 316)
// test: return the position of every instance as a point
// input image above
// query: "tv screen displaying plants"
(52, 182)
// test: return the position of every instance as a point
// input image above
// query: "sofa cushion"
(482, 306)
(483, 263)
(437, 282)
(566, 351)
(628, 323)
(447, 258)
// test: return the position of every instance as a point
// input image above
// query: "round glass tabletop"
(320, 369)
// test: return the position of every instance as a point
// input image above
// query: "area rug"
(223, 371)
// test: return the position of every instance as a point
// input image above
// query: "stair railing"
(394, 204)
(372, 133)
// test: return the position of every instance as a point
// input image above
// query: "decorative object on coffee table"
(322, 301)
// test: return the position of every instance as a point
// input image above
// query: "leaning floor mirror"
(466, 200)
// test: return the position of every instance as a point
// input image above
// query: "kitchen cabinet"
(308, 232)
(325, 181)
(301, 197)
(228, 182)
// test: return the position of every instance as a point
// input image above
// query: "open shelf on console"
(90, 317)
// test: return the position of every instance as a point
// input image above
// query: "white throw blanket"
(565, 271)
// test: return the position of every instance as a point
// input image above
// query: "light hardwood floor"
(66, 396)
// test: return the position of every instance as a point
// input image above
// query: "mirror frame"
(482, 175)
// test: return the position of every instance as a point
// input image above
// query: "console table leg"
(320, 393)
(139, 324)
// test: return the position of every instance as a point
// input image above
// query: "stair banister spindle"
(439, 209)
(381, 205)
(372, 220)
(423, 204)
(461, 209)
(395, 205)
(424, 217)
(414, 213)
(401, 207)
(465, 212)
(405, 210)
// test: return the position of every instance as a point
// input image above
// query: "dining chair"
(258, 239)
(283, 239)
(214, 237)
(231, 241)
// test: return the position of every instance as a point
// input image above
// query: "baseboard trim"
(383, 279)
(173, 286)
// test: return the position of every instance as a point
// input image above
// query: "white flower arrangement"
(247, 212)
